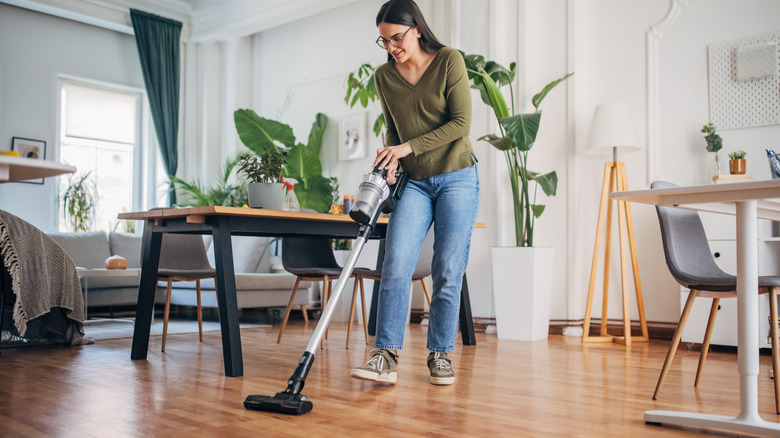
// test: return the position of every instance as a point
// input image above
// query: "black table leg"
(226, 297)
(146, 291)
(466, 321)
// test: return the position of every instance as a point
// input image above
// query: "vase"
(266, 195)
(716, 165)
(737, 166)
(522, 285)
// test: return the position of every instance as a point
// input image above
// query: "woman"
(426, 100)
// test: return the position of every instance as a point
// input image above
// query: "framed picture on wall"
(29, 148)
(352, 137)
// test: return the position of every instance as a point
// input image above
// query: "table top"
(21, 169)
(715, 198)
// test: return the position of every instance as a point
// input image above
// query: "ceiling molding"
(241, 18)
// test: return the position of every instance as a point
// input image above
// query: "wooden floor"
(557, 387)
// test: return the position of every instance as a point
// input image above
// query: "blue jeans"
(450, 201)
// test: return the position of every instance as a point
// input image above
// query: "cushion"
(88, 250)
(250, 254)
(128, 246)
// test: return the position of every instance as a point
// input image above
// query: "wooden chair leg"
(675, 341)
(305, 313)
(200, 310)
(327, 298)
(287, 311)
(365, 315)
(705, 345)
(426, 291)
(775, 345)
(166, 313)
(352, 308)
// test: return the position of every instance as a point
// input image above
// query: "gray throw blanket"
(48, 305)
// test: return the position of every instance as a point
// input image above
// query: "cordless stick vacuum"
(375, 196)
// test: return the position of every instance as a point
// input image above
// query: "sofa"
(257, 285)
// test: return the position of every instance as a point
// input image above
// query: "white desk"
(748, 201)
(21, 169)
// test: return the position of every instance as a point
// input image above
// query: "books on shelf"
(727, 178)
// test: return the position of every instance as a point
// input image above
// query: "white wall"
(34, 49)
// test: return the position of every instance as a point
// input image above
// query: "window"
(103, 133)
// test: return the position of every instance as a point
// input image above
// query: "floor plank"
(557, 387)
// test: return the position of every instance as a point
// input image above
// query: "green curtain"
(157, 39)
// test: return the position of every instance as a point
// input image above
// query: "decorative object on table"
(352, 137)
(263, 174)
(29, 148)
(518, 136)
(774, 163)
(77, 202)
(714, 144)
(737, 162)
(225, 192)
(335, 207)
(611, 131)
(116, 262)
(302, 161)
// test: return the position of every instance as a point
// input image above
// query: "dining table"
(222, 223)
(748, 201)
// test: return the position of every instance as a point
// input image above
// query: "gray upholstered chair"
(691, 263)
(309, 259)
(421, 272)
(183, 258)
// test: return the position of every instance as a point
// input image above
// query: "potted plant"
(265, 188)
(361, 88)
(737, 162)
(714, 144)
(522, 309)
(301, 161)
(77, 202)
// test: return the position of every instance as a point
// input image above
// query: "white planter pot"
(266, 195)
(522, 285)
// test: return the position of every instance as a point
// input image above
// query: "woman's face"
(401, 41)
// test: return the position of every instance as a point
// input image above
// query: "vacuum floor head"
(281, 403)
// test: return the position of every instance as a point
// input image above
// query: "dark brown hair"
(406, 12)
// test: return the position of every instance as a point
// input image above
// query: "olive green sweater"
(434, 115)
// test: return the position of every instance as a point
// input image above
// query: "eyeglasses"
(394, 41)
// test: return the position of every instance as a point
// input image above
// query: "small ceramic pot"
(737, 166)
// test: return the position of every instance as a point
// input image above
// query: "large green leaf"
(496, 98)
(500, 143)
(548, 182)
(315, 135)
(523, 129)
(260, 134)
(500, 74)
(315, 195)
(537, 99)
(303, 163)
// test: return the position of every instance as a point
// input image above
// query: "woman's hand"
(387, 158)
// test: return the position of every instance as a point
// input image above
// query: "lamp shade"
(612, 130)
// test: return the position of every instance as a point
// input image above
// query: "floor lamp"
(611, 131)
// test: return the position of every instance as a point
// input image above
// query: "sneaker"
(382, 367)
(441, 369)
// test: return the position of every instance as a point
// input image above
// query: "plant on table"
(224, 193)
(737, 155)
(714, 144)
(271, 139)
(518, 135)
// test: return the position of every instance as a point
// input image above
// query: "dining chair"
(690, 262)
(422, 271)
(183, 258)
(309, 259)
